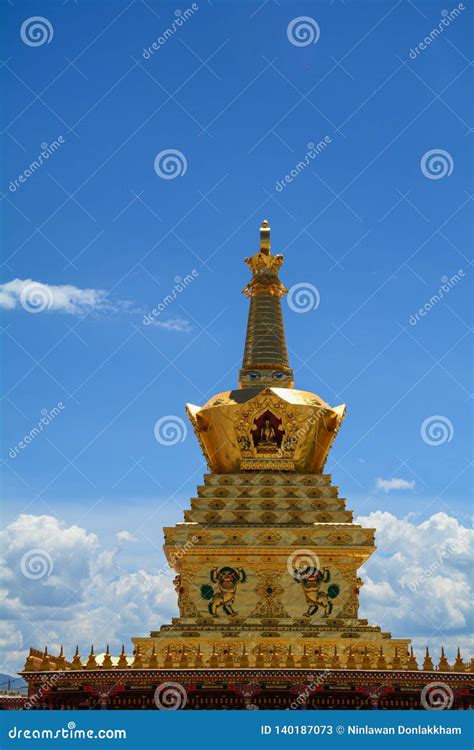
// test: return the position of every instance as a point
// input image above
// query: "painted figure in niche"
(311, 580)
(267, 433)
(226, 579)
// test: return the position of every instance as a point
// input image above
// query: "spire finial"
(265, 362)
(265, 238)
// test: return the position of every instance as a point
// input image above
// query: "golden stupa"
(266, 564)
(267, 558)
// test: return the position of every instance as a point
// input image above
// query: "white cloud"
(125, 536)
(34, 296)
(418, 582)
(84, 594)
(173, 324)
(395, 483)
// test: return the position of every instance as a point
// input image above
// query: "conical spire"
(122, 662)
(91, 661)
(153, 661)
(265, 361)
(60, 660)
(107, 660)
(76, 662)
(459, 665)
(290, 659)
(138, 661)
(46, 663)
(335, 661)
(443, 665)
(244, 659)
(381, 662)
(168, 663)
(428, 662)
(412, 663)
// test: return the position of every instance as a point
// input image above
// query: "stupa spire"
(265, 362)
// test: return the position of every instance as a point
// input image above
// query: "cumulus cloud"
(34, 296)
(418, 582)
(395, 483)
(125, 536)
(59, 585)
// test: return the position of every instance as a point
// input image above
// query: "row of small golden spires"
(43, 662)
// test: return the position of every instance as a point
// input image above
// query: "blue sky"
(364, 223)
